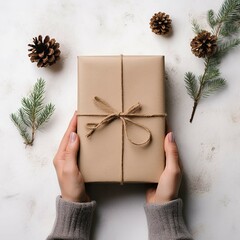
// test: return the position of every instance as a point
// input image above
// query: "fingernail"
(171, 137)
(72, 137)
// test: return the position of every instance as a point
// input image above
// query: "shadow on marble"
(184, 195)
(57, 67)
(107, 193)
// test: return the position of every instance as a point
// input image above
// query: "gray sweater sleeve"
(73, 220)
(165, 221)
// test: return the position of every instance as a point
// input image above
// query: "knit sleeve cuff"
(165, 221)
(73, 220)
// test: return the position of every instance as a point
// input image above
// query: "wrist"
(156, 199)
(163, 200)
(162, 197)
(77, 199)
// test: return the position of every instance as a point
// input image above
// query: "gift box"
(121, 118)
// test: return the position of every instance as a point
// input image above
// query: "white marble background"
(210, 147)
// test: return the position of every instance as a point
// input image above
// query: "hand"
(69, 177)
(170, 180)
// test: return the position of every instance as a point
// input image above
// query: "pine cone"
(160, 23)
(204, 44)
(45, 52)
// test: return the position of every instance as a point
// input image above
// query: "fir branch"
(227, 15)
(45, 115)
(196, 27)
(211, 74)
(227, 10)
(22, 115)
(212, 86)
(212, 68)
(33, 105)
(225, 25)
(33, 113)
(211, 18)
(37, 96)
(21, 128)
(229, 29)
(225, 47)
(191, 85)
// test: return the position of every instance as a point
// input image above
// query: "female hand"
(69, 177)
(170, 180)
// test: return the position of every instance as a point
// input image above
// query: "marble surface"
(209, 148)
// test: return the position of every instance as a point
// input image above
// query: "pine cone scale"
(56, 46)
(46, 39)
(45, 59)
(51, 59)
(51, 51)
(33, 59)
(41, 55)
(57, 54)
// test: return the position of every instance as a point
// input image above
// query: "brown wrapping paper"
(122, 82)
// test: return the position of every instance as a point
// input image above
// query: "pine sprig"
(225, 25)
(33, 113)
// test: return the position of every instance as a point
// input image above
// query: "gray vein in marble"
(10, 196)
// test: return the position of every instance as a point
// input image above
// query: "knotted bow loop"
(114, 114)
(104, 105)
(149, 135)
(135, 108)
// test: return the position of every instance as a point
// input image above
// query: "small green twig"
(196, 100)
(225, 25)
(33, 113)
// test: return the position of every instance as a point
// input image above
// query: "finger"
(72, 127)
(72, 149)
(171, 150)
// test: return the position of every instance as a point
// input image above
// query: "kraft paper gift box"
(121, 118)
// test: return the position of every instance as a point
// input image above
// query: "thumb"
(171, 150)
(170, 180)
(72, 147)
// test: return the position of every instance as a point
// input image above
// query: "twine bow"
(123, 116)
